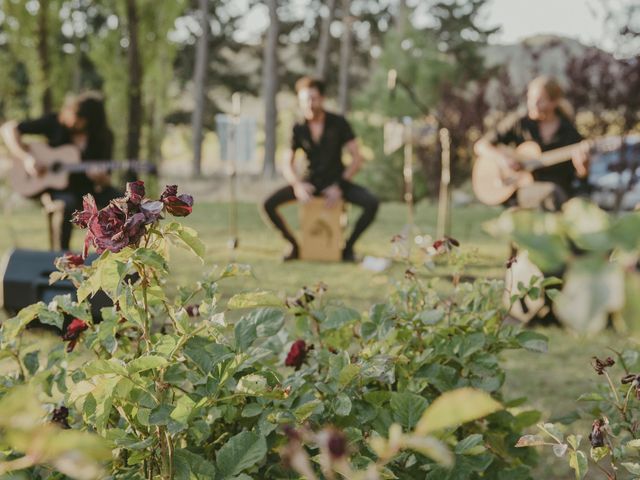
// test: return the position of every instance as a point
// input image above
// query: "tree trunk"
(322, 60)
(202, 54)
(345, 57)
(270, 87)
(43, 55)
(135, 85)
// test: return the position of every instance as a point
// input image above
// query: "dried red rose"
(135, 192)
(337, 444)
(601, 365)
(192, 310)
(73, 331)
(71, 260)
(60, 416)
(297, 354)
(596, 437)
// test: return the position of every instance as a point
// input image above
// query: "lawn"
(551, 381)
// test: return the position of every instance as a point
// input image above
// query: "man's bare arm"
(356, 160)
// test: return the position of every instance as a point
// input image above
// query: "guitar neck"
(553, 157)
(108, 164)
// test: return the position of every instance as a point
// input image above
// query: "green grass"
(551, 381)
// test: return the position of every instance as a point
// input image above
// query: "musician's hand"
(33, 167)
(332, 194)
(580, 159)
(99, 175)
(303, 191)
(510, 163)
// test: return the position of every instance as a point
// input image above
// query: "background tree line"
(179, 63)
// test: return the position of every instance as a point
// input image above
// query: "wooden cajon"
(321, 230)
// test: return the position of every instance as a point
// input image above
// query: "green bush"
(191, 386)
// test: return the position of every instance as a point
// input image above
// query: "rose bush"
(191, 386)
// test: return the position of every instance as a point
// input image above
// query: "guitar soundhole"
(56, 166)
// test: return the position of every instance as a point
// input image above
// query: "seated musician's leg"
(361, 197)
(105, 195)
(270, 207)
(547, 196)
(72, 202)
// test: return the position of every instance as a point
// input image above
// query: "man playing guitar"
(321, 135)
(81, 122)
(548, 124)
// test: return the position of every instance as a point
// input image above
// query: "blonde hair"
(555, 92)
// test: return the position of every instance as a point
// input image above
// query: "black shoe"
(292, 255)
(348, 255)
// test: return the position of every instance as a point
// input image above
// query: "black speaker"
(25, 280)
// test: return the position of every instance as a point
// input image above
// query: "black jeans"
(72, 202)
(351, 192)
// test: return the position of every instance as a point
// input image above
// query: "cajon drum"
(321, 230)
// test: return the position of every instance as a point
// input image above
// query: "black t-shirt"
(57, 134)
(325, 157)
(517, 129)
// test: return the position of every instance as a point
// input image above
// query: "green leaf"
(430, 447)
(100, 367)
(430, 317)
(191, 241)
(268, 321)
(252, 384)
(51, 317)
(205, 354)
(599, 453)
(471, 445)
(191, 466)
(240, 453)
(533, 341)
(150, 258)
(342, 405)
(236, 270)
(305, 410)
(146, 362)
(530, 441)
(245, 333)
(633, 468)
(184, 407)
(254, 299)
(407, 408)
(340, 316)
(578, 461)
(11, 328)
(348, 374)
(456, 407)
(593, 288)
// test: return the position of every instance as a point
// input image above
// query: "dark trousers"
(351, 193)
(72, 202)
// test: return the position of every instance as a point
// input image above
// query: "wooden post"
(443, 225)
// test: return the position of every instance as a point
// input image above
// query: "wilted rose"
(60, 416)
(601, 365)
(337, 444)
(71, 260)
(73, 332)
(179, 206)
(297, 354)
(135, 192)
(192, 310)
(596, 437)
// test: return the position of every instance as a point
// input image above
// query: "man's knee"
(372, 204)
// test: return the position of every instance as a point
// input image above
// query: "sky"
(580, 19)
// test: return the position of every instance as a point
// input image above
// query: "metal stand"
(234, 240)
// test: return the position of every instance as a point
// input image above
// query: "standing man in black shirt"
(82, 122)
(322, 135)
(548, 123)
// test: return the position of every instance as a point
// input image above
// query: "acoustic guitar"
(493, 183)
(58, 163)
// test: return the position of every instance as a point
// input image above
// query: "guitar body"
(55, 177)
(494, 184)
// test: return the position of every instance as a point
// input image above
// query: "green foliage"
(597, 254)
(412, 385)
(612, 447)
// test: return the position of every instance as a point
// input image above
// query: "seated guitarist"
(548, 122)
(82, 122)
(322, 135)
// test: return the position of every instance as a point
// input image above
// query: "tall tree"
(270, 89)
(199, 84)
(43, 55)
(345, 56)
(322, 60)
(134, 116)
